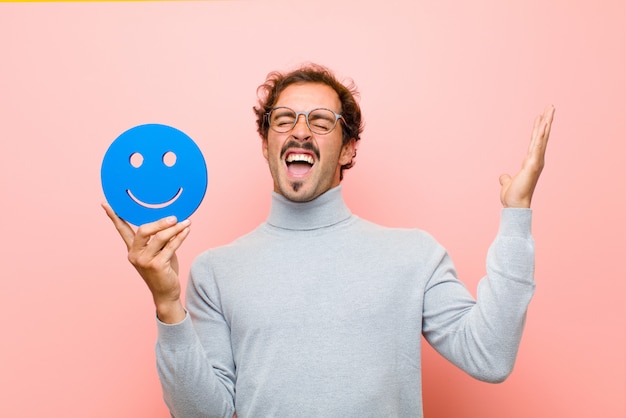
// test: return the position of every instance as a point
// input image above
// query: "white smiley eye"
(136, 159)
(169, 158)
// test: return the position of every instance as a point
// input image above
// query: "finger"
(147, 232)
(534, 134)
(541, 133)
(162, 239)
(123, 228)
(504, 179)
(544, 132)
(549, 117)
(172, 245)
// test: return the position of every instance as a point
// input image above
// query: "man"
(318, 313)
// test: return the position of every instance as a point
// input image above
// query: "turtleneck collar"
(325, 210)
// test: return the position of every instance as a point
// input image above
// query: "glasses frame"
(306, 119)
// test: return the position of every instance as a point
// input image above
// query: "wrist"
(170, 312)
(516, 204)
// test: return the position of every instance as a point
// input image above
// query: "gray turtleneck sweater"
(319, 313)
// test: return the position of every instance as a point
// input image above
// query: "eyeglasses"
(320, 121)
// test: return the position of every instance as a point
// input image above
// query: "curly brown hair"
(276, 82)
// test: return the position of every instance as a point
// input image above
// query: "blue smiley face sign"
(153, 171)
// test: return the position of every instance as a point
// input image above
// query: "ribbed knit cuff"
(175, 336)
(516, 222)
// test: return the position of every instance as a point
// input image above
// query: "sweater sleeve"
(197, 374)
(482, 336)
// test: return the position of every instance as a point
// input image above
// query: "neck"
(325, 210)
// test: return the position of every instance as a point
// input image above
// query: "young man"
(318, 313)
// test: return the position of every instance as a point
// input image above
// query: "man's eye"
(321, 123)
(280, 119)
(284, 122)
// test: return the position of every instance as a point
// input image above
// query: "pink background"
(449, 93)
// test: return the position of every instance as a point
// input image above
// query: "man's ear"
(348, 152)
(264, 149)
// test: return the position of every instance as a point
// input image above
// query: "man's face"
(303, 164)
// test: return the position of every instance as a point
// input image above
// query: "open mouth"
(299, 164)
(155, 205)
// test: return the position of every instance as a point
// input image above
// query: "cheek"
(272, 147)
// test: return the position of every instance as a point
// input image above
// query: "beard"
(296, 186)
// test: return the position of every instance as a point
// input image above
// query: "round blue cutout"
(153, 171)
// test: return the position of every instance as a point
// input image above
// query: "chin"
(296, 191)
(299, 196)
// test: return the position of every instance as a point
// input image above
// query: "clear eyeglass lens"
(320, 121)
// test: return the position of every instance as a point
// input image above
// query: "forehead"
(307, 96)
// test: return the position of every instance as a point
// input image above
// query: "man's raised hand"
(517, 191)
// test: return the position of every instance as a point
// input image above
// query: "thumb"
(505, 179)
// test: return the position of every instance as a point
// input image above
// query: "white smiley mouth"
(155, 205)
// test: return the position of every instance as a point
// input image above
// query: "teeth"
(292, 158)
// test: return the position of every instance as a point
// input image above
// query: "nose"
(301, 131)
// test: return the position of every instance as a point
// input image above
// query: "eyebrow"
(282, 111)
(318, 116)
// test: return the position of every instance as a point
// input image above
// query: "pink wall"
(449, 92)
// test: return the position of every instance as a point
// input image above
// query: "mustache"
(302, 145)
